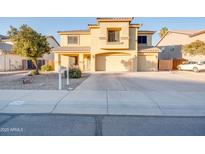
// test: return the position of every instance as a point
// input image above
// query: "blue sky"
(50, 25)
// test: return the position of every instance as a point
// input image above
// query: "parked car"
(192, 66)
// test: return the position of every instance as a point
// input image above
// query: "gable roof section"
(190, 33)
(3, 37)
(5, 47)
(53, 38)
(198, 33)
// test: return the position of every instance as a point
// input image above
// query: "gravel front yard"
(45, 81)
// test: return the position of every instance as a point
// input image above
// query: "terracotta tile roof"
(74, 32)
(81, 48)
(84, 30)
(117, 18)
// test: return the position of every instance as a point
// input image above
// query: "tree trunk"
(36, 65)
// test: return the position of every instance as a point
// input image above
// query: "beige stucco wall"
(9, 62)
(63, 60)
(124, 35)
(133, 33)
(95, 41)
(128, 39)
(147, 62)
(84, 40)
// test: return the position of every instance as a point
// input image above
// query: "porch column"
(92, 63)
(81, 62)
(68, 65)
(59, 72)
(57, 61)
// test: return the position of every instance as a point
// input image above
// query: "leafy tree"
(163, 31)
(195, 48)
(28, 43)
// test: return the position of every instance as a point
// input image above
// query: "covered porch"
(73, 57)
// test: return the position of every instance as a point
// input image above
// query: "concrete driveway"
(139, 93)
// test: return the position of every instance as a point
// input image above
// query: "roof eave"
(197, 33)
(73, 33)
(135, 25)
(162, 38)
(147, 32)
(128, 19)
(50, 36)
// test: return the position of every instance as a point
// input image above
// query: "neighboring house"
(10, 61)
(113, 44)
(171, 44)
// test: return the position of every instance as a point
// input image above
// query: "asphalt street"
(99, 125)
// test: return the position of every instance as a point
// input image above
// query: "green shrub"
(73, 73)
(32, 72)
(46, 67)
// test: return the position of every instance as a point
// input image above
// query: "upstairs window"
(142, 39)
(113, 36)
(72, 39)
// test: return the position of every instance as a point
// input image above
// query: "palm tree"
(163, 31)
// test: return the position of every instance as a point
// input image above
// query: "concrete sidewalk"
(103, 102)
(14, 72)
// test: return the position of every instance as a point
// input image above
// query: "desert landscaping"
(45, 81)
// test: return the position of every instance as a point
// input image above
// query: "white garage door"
(113, 63)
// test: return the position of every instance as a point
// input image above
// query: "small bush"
(73, 73)
(46, 67)
(32, 73)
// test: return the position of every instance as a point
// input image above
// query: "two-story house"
(113, 44)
